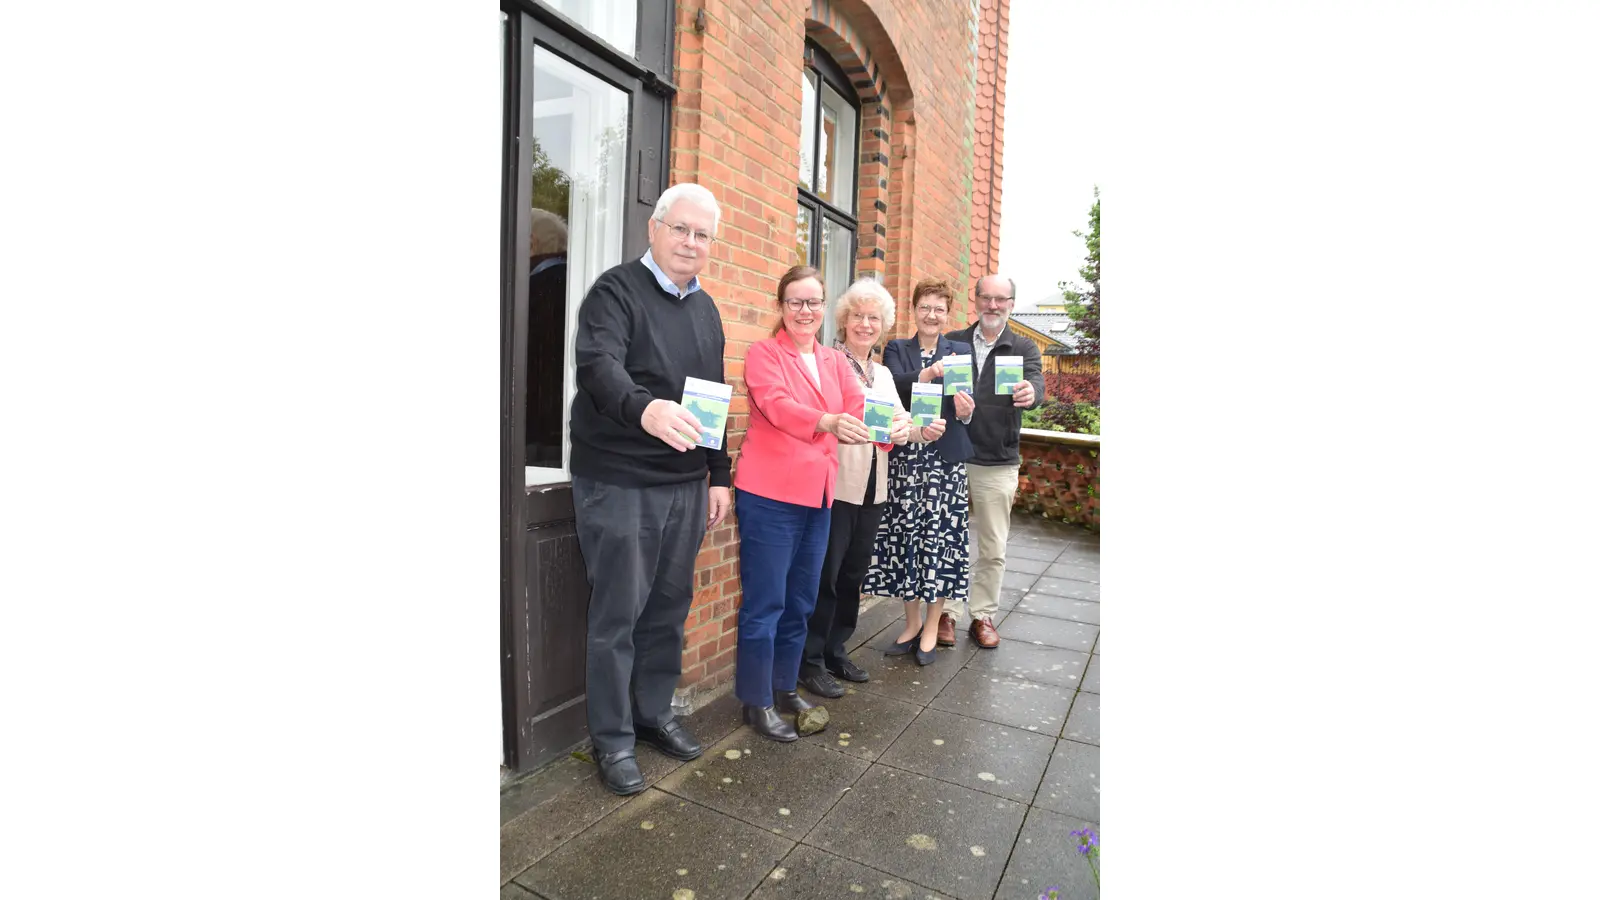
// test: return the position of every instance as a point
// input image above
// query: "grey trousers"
(639, 546)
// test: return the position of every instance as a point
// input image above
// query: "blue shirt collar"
(665, 282)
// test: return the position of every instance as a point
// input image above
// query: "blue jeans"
(781, 546)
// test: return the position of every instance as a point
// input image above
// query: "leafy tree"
(552, 189)
(1083, 301)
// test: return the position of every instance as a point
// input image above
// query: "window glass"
(580, 135)
(802, 237)
(835, 264)
(837, 180)
(614, 21)
(808, 132)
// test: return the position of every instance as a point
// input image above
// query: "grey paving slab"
(1031, 662)
(1045, 857)
(537, 832)
(714, 721)
(1044, 553)
(880, 615)
(861, 723)
(1060, 608)
(1023, 537)
(1062, 587)
(1074, 570)
(900, 676)
(994, 759)
(784, 788)
(1051, 632)
(657, 845)
(532, 790)
(1072, 782)
(1083, 723)
(1028, 705)
(1091, 678)
(1018, 580)
(516, 892)
(924, 831)
(811, 874)
(1024, 564)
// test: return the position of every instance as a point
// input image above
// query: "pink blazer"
(783, 456)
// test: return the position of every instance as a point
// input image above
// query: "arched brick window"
(830, 153)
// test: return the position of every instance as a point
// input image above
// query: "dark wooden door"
(576, 112)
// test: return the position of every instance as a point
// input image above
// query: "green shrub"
(1055, 415)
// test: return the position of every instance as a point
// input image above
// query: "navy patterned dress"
(920, 551)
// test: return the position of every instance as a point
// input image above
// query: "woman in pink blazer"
(804, 401)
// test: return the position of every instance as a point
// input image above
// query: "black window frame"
(829, 72)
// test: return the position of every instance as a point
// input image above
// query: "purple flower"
(1051, 893)
(1087, 840)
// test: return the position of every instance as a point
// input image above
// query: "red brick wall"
(930, 75)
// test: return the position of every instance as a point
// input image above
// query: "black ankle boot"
(790, 701)
(765, 721)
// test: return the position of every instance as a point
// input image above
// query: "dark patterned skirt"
(920, 551)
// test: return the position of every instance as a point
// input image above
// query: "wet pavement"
(961, 779)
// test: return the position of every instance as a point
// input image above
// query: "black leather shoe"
(790, 701)
(849, 671)
(619, 772)
(765, 721)
(924, 657)
(823, 685)
(903, 647)
(672, 739)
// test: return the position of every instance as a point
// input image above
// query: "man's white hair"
(693, 193)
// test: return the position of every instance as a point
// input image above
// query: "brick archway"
(887, 127)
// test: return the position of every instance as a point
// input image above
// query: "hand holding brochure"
(1007, 374)
(878, 414)
(926, 402)
(957, 373)
(708, 402)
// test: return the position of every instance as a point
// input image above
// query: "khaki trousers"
(991, 490)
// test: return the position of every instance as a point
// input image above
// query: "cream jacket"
(855, 460)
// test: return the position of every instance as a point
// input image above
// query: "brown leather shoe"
(983, 634)
(947, 630)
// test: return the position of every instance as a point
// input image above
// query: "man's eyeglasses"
(993, 299)
(799, 303)
(684, 233)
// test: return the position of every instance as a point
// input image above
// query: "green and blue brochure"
(708, 401)
(927, 401)
(957, 373)
(1007, 374)
(878, 414)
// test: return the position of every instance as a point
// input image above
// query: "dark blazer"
(903, 359)
(996, 428)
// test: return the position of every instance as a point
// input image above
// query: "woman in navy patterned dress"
(920, 553)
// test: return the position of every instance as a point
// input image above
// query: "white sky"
(1052, 154)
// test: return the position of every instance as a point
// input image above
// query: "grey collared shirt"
(981, 347)
(665, 282)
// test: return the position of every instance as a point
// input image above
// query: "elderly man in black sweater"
(996, 431)
(644, 495)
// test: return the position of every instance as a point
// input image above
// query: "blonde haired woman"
(863, 316)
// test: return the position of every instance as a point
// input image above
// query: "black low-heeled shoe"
(924, 657)
(765, 721)
(904, 647)
(619, 772)
(672, 739)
